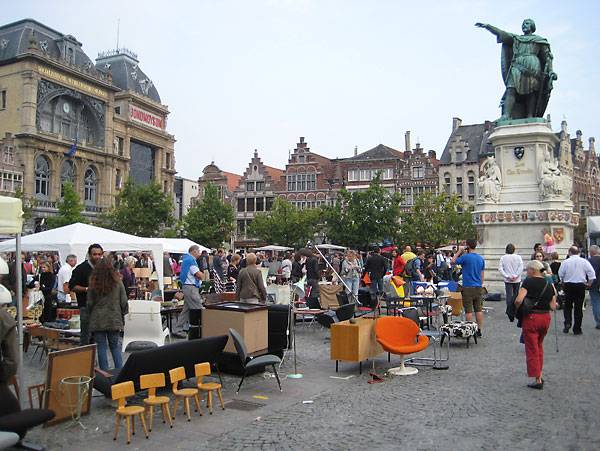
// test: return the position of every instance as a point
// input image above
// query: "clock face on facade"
(66, 108)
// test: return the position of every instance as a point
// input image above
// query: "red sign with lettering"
(146, 118)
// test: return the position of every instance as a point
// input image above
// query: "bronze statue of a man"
(527, 71)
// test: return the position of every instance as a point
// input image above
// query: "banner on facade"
(145, 117)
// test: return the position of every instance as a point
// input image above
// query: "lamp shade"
(11, 215)
(5, 297)
(3, 267)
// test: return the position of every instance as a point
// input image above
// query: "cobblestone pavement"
(480, 403)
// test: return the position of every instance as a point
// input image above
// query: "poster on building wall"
(142, 116)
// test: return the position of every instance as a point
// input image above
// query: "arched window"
(42, 177)
(67, 174)
(90, 186)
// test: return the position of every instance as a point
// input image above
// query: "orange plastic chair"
(176, 375)
(151, 382)
(201, 370)
(400, 336)
(120, 392)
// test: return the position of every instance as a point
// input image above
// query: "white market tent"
(76, 238)
(331, 247)
(273, 248)
(177, 245)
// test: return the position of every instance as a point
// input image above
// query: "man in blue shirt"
(473, 266)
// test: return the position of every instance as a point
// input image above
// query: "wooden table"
(168, 313)
(354, 342)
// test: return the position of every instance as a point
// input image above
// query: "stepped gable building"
(255, 193)
(310, 180)
(582, 165)
(64, 118)
(459, 164)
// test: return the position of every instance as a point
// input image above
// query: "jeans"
(376, 286)
(595, 298)
(84, 319)
(105, 340)
(512, 289)
(353, 283)
(535, 326)
(573, 307)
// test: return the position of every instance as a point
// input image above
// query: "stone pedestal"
(528, 201)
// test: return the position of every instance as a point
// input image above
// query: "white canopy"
(332, 247)
(273, 248)
(76, 238)
(177, 245)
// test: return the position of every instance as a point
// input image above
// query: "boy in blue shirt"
(473, 266)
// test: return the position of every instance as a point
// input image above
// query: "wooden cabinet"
(354, 342)
(250, 320)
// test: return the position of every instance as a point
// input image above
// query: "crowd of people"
(99, 285)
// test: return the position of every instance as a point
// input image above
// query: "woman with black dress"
(297, 266)
(233, 269)
(47, 280)
(535, 324)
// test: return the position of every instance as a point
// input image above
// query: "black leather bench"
(161, 360)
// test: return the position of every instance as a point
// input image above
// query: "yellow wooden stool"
(120, 392)
(176, 375)
(203, 369)
(151, 382)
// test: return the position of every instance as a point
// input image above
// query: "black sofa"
(13, 419)
(161, 360)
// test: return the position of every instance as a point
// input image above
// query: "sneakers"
(577, 332)
(566, 329)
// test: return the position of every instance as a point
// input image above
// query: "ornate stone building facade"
(459, 163)
(225, 182)
(582, 164)
(410, 172)
(255, 193)
(94, 125)
(310, 180)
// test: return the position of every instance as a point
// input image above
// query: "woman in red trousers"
(535, 324)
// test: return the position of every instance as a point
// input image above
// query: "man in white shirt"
(63, 277)
(576, 274)
(511, 268)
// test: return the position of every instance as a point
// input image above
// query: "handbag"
(529, 304)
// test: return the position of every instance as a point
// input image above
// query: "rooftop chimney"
(355, 150)
(407, 145)
(456, 122)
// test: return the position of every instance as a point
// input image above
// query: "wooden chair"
(151, 382)
(176, 375)
(201, 370)
(120, 392)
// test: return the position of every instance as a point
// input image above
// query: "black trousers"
(574, 296)
(195, 324)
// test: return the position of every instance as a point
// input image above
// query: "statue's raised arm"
(526, 66)
(502, 35)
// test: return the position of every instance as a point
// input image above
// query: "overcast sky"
(240, 75)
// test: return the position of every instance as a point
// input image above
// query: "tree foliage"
(285, 225)
(70, 208)
(142, 210)
(361, 218)
(211, 221)
(437, 219)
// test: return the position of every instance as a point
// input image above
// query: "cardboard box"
(455, 295)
